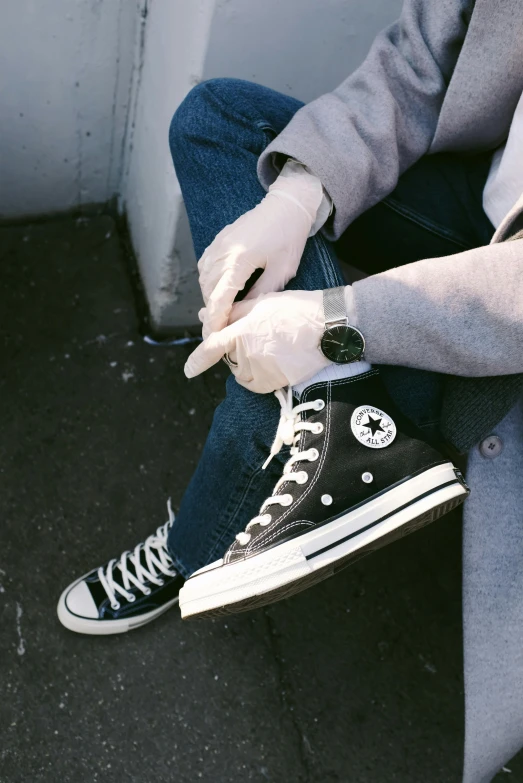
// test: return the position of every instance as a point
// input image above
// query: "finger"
(211, 267)
(203, 266)
(213, 249)
(206, 325)
(267, 283)
(214, 260)
(211, 351)
(211, 277)
(202, 315)
(205, 330)
(221, 300)
(241, 309)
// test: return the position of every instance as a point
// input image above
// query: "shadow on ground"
(357, 680)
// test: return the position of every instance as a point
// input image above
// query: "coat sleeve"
(359, 138)
(461, 314)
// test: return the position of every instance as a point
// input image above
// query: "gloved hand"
(273, 339)
(271, 236)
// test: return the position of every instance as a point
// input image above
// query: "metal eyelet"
(267, 519)
(326, 500)
(302, 477)
(286, 500)
(147, 591)
(367, 477)
(319, 405)
(313, 455)
(318, 428)
(115, 606)
(132, 599)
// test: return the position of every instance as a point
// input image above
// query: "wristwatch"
(340, 342)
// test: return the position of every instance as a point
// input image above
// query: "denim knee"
(184, 122)
(202, 100)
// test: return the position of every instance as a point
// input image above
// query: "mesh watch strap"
(334, 307)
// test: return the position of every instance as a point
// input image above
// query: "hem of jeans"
(182, 568)
(218, 539)
(179, 566)
(426, 223)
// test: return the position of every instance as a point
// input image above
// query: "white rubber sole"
(104, 627)
(294, 565)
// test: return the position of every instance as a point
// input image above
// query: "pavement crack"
(288, 703)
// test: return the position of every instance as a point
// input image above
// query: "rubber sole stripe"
(381, 519)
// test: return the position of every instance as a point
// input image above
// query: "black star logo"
(373, 425)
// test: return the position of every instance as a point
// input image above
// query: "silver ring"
(229, 362)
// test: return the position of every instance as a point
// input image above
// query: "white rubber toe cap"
(210, 567)
(80, 602)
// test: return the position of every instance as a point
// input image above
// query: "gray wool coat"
(446, 77)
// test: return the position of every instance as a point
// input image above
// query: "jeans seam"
(219, 536)
(426, 223)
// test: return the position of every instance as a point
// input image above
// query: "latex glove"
(271, 236)
(274, 339)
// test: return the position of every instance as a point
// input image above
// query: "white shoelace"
(288, 433)
(157, 559)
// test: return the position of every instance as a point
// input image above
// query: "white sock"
(332, 373)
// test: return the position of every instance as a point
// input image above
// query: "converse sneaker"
(125, 593)
(360, 475)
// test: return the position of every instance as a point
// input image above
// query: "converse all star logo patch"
(372, 427)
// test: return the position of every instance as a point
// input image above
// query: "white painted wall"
(88, 89)
(65, 74)
(170, 62)
(300, 47)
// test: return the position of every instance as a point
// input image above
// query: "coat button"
(491, 447)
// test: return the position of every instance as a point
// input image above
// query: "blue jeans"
(216, 137)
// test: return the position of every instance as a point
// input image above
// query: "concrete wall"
(170, 58)
(88, 88)
(65, 75)
(301, 47)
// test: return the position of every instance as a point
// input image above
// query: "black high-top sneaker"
(125, 593)
(360, 476)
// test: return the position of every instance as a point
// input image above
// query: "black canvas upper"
(342, 462)
(158, 596)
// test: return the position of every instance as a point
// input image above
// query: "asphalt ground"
(358, 680)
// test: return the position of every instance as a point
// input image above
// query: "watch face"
(342, 344)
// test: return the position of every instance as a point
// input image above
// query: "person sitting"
(412, 171)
